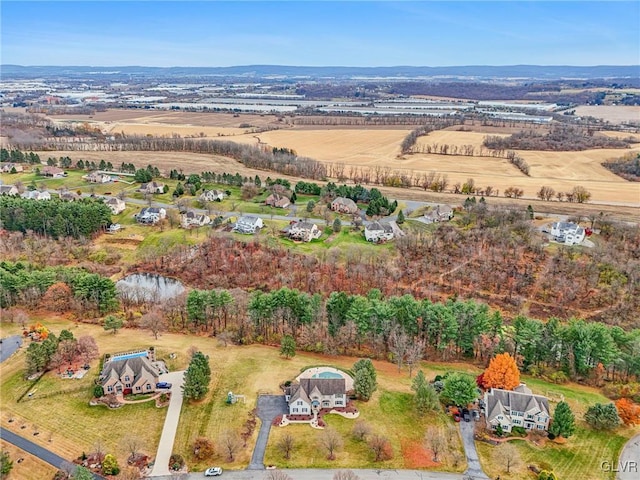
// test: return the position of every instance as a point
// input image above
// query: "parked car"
(476, 415)
(466, 415)
(163, 385)
(213, 472)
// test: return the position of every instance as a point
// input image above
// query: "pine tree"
(365, 379)
(288, 346)
(426, 397)
(337, 225)
(197, 377)
(564, 423)
(602, 417)
(400, 219)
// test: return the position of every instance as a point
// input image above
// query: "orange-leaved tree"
(628, 411)
(502, 372)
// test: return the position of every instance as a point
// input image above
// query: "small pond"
(145, 287)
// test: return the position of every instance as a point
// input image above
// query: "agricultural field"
(611, 113)
(369, 147)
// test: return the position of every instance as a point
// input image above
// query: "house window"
(126, 379)
(295, 410)
(530, 417)
(516, 421)
(109, 388)
(540, 427)
(148, 386)
(299, 402)
(127, 385)
(138, 388)
(338, 402)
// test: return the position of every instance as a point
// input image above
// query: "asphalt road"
(36, 450)
(8, 346)
(322, 474)
(628, 466)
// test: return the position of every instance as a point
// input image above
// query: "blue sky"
(357, 33)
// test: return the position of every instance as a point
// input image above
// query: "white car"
(213, 472)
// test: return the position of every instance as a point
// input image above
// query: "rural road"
(628, 466)
(474, 470)
(269, 407)
(322, 474)
(8, 346)
(36, 450)
(165, 447)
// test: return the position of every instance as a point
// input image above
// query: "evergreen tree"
(197, 377)
(400, 219)
(426, 397)
(564, 423)
(365, 379)
(337, 225)
(113, 323)
(602, 417)
(6, 464)
(288, 346)
(310, 206)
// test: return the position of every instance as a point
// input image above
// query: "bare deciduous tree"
(361, 430)
(380, 447)
(331, 441)
(398, 343)
(414, 354)
(508, 455)
(154, 321)
(435, 441)
(231, 443)
(345, 475)
(285, 445)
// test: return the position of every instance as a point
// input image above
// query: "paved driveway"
(165, 447)
(474, 470)
(629, 464)
(8, 346)
(269, 407)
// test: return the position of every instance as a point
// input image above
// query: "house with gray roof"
(344, 205)
(312, 394)
(36, 195)
(568, 233)
(516, 408)
(126, 374)
(441, 213)
(211, 196)
(378, 232)
(10, 190)
(304, 231)
(248, 224)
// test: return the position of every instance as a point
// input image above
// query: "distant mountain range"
(472, 72)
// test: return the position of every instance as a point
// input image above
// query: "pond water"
(141, 287)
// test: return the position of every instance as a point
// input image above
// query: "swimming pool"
(327, 375)
(129, 355)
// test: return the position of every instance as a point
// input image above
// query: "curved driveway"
(628, 465)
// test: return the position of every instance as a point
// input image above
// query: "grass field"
(29, 468)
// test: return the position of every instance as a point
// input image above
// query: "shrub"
(98, 391)
(519, 431)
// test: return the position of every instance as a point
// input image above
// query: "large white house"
(192, 219)
(516, 408)
(378, 232)
(115, 205)
(568, 233)
(248, 224)
(211, 196)
(151, 215)
(97, 177)
(305, 231)
(312, 394)
(36, 195)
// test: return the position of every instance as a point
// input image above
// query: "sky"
(329, 33)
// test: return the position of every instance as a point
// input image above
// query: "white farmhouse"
(378, 232)
(568, 233)
(192, 219)
(248, 224)
(115, 205)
